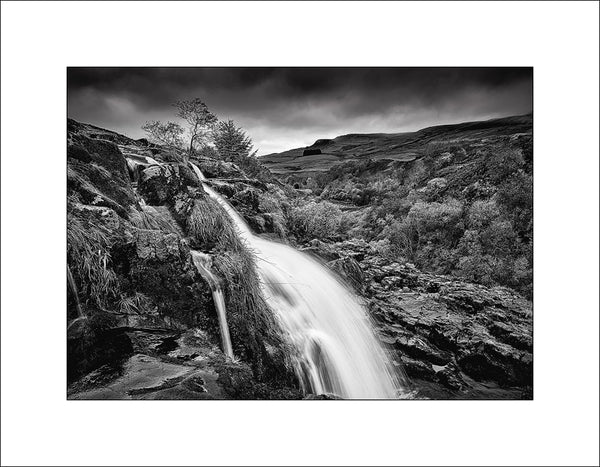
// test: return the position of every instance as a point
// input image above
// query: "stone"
(154, 244)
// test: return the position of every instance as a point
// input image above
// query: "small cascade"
(337, 349)
(203, 264)
(240, 224)
(136, 163)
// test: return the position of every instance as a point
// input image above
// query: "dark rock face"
(466, 340)
(89, 347)
(174, 365)
(98, 173)
(161, 268)
(322, 142)
(159, 184)
(350, 269)
(311, 152)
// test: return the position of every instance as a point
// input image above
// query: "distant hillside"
(326, 153)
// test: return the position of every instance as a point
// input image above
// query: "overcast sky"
(285, 108)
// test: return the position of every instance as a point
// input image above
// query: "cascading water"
(202, 263)
(338, 351)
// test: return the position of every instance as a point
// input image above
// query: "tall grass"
(88, 255)
(150, 218)
(209, 223)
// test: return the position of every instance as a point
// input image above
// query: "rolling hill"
(326, 153)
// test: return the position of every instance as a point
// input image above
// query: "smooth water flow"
(202, 263)
(337, 350)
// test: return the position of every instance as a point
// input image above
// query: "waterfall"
(202, 263)
(337, 349)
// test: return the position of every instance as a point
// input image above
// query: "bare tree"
(168, 134)
(200, 120)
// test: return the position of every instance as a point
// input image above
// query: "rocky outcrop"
(454, 339)
(311, 152)
(174, 365)
(160, 184)
(97, 172)
(134, 210)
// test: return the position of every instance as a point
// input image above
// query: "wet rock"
(322, 397)
(154, 244)
(321, 249)
(418, 347)
(212, 168)
(97, 173)
(463, 337)
(416, 368)
(92, 348)
(449, 375)
(195, 384)
(350, 270)
(159, 184)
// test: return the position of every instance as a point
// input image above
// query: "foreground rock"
(172, 365)
(454, 339)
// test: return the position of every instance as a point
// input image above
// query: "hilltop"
(405, 147)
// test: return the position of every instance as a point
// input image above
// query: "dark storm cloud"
(283, 108)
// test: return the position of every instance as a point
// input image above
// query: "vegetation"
(169, 134)
(234, 145)
(150, 219)
(88, 255)
(251, 322)
(463, 208)
(136, 303)
(199, 120)
(309, 219)
(209, 225)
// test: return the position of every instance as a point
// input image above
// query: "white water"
(202, 263)
(337, 350)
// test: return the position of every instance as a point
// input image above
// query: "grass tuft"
(150, 218)
(209, 224)
(88, 254)
(135, 304)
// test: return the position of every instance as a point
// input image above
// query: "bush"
(516, 197)
(427, 234)
(274, 204)
(315, 220)
(482, 213)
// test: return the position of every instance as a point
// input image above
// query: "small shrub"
(482, 213)
(315, 220)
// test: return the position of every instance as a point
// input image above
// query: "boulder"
(154, 244)
(160, 184)
(350, 270)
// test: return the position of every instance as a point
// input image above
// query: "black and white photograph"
(300, 233)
